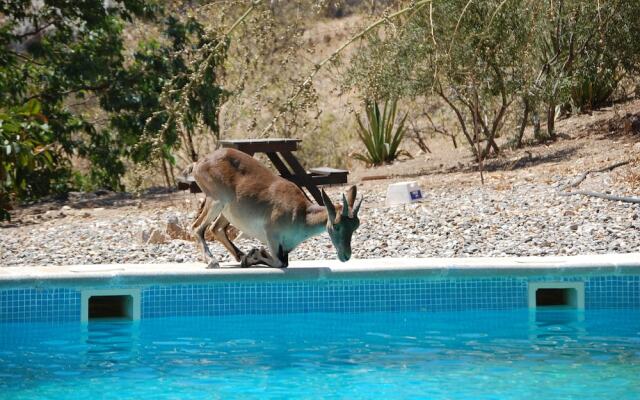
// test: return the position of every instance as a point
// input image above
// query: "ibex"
(243, 192)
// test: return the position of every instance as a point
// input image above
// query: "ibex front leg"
(262, 257)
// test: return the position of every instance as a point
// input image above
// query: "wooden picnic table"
(280, 153)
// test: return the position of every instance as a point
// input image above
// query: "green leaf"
(379, 137)
(32, 107)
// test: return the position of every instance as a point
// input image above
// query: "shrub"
(30, 164)
(382, 136)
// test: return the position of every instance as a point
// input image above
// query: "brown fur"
(243, 192)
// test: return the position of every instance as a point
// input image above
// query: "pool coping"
(383, 268)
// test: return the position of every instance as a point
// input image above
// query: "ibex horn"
(345, 206)
(357, 208)
(331, 210)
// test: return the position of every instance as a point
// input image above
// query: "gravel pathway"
(525, 220)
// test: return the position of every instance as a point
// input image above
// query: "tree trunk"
(551, 121)
(476, 135)
(463, 126)
(173, 177)
(491, 144)
(166, 173)
(192, 149)
(523, 125)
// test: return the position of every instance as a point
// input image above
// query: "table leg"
(302, 175)
(282, 168)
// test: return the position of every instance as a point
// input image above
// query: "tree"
(469, 54)
(583, 50)
(138, 120)
(55, 55)
(51, 52)
(480, 58)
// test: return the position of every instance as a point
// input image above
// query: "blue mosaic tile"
(39, 305)
(612, 292)
(334, 296)
(357, 295)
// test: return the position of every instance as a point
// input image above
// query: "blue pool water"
(462, 355)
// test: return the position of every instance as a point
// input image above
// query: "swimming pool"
(441, 329)
(461, 355)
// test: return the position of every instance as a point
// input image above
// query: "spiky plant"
(382, 136)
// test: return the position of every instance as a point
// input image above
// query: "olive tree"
(468, 54)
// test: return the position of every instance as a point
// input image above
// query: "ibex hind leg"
(209, 211)
(220, 233)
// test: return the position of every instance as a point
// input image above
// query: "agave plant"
(381, 136)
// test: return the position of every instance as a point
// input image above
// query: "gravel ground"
(520, 220)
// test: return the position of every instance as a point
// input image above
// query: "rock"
(157, 237)
(143, 236)
(463, 221)
(175, 230)
(52, 214)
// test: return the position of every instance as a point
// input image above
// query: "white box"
(403, 193)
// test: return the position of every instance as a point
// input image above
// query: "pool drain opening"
(123, 304)
(554, 295)
(110, 307)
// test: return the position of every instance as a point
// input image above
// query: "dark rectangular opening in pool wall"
(553, 297)
(119, 307)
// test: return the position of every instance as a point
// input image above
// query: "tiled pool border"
(53, 293)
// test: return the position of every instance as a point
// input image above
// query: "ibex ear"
(351, 195)
(331, 209)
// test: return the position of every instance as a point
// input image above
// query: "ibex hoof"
(213, 264)
(250, 259)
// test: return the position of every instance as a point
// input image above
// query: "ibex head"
(341, 227)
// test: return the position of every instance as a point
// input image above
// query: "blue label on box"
(416, 194)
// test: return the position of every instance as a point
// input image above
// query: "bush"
(30, 165)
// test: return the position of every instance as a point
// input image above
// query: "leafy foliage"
(50, 53)
(381, 136)
(481, 58)
(29, 164)
(56, 56)
(134, 97)
(468, 54)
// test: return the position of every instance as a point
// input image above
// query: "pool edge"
(130, 274)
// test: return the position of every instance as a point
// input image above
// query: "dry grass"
(630, 176)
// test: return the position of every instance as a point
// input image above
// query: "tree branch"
(34, 32)
(562, 191)
(307, 82)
